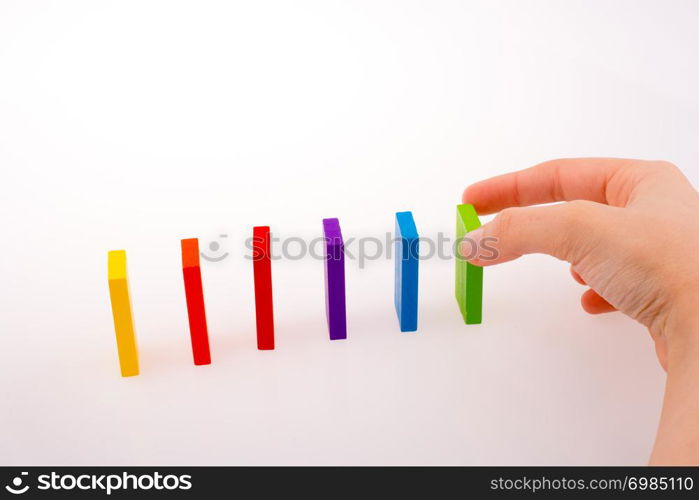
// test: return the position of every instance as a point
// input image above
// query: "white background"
(134, 124)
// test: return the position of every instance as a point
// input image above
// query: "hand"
(630, 230)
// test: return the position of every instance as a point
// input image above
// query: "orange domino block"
(195, 301)
(122, 313)
(262, 270)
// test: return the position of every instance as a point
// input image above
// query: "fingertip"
(492, 262)
(593, 303)
(475, 195)
(468, 250)
(464, 195)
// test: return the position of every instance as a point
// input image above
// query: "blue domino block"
(407, 246)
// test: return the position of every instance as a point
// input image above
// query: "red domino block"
(262, 268)
(195, 302)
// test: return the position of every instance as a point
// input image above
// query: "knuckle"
(662, 167)
(577, 224)
(505, 220)
(666, 165)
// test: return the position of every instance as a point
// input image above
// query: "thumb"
(566, 231)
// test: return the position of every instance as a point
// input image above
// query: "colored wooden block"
(262, 269)
(469, 278)
(407, 254)
(335, 279)
(122, 313)
(194, 294)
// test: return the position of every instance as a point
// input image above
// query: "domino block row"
(469, 286)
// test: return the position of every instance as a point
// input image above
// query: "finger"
(555, 180)
(567, 231)
(576, 276)
(593, 303)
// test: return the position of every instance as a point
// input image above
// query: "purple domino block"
(335, 279)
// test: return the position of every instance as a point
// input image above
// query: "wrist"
(677, 442)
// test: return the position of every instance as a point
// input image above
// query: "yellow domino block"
(121, 310)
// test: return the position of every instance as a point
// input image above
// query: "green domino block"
(469, 278)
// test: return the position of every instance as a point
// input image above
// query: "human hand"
(630, 230)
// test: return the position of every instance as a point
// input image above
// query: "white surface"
(133, 124)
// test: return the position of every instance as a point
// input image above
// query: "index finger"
(556, 180)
